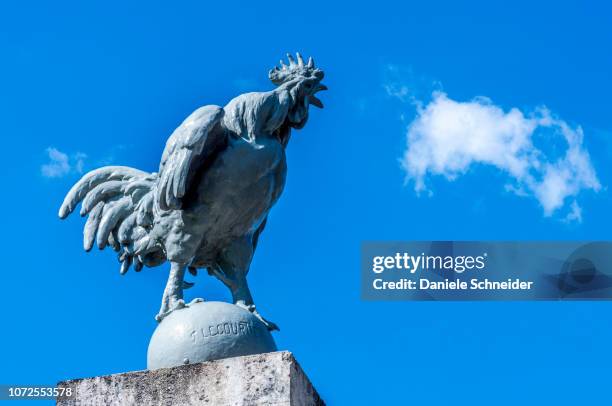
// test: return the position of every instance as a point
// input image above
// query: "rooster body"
(221, 172)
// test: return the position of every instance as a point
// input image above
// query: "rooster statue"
(221, 172)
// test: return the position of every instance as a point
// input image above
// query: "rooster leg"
(232, 268)
(241, 295)
(173, 294)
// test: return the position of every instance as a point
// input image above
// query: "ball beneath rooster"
(206, 331)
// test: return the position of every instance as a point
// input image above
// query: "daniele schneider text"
(411, 264)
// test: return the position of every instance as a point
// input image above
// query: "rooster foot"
(175, 305)
(251, 308)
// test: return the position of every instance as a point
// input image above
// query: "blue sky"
(84, 85)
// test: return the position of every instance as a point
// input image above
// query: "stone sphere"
(207, 331)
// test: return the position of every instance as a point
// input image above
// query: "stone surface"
(264, 379)
(207, 331)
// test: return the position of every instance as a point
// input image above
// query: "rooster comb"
(284, 73)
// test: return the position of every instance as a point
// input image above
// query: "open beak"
(313, 99)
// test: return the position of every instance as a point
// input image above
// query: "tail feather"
(125, 265)
(137, 264)
(93, 179)
(137, 187)
(119, 202)
(125, 229)
(113, 213)
(112, 241)
(144, 213)
(89, 232)
(100, 193)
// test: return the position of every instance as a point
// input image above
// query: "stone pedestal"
(273, 378)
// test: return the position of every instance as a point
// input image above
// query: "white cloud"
(79, 162)
(399, 91)
(575, 213)
(403, 84)
(60, 164)
(448, 138)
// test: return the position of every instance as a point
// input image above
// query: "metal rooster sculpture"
(220, 174)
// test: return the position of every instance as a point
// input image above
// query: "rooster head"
(302, 81)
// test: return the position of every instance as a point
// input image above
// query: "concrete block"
(273, 378)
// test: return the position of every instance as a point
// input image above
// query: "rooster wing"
(188, 148)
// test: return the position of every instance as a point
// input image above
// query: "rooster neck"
(253, 115)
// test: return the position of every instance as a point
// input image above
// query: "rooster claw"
(251, 308)
(271, 326)
(166, 310)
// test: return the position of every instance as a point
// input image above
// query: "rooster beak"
(313, 99)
